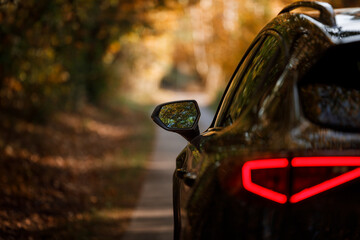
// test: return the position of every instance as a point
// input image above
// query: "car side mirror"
(181, 117)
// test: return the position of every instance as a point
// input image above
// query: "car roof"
(340, 25)
(348, 20)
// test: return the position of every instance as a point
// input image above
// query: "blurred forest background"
(76, 81)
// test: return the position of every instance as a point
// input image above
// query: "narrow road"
(153, 217)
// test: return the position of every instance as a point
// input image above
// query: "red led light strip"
(257, 189)
(325, 162)
(299, 162)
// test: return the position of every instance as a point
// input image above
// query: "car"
(281, 159)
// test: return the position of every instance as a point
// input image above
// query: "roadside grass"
(76, 177)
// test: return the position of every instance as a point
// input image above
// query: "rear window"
(330, 91)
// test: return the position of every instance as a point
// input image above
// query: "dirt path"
(153, 217)
(76, 176)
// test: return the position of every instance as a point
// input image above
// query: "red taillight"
(260, 190)
(269, 178)
(333, 180)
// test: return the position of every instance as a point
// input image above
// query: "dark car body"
(281, 158)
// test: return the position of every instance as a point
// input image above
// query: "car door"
(247, 84)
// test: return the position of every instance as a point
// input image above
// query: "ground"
(75, 177)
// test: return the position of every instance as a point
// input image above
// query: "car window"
(260, 74)
(330, 91)
(235, 80)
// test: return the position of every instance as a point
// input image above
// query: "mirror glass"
(179, 115)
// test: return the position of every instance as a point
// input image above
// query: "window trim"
(225, 107)
(261, 37)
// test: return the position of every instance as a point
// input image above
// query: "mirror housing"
(181, 117)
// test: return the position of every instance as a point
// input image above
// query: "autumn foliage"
(52, 51)
(57, 54)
